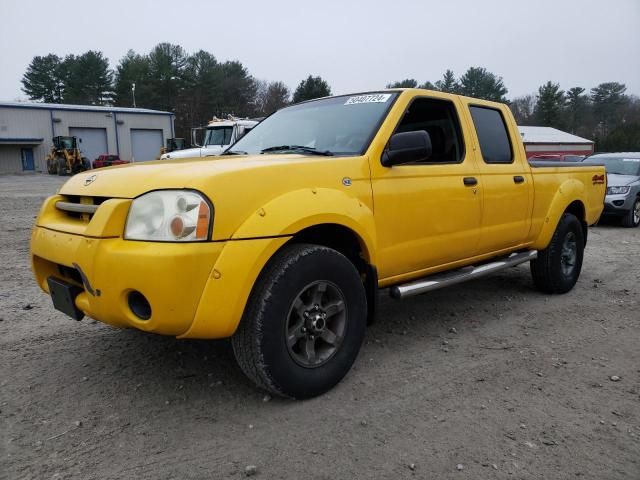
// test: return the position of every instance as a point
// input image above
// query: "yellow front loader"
(65, 157)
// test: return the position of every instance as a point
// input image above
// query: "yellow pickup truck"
(284, 242)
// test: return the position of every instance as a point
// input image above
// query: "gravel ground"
(484, 380)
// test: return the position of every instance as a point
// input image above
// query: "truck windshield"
(218, 136)
(617, 165)
(337, 125)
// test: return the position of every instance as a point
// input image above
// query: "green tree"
(479, 83)
(609, 101)
(310, 88)
(88, 80)
(406, 83)
(448, 84)
(550, 104)
(200, 90)
(167, 63)
(43, 80)
(133, 69)
(576, 108)
(237, 90)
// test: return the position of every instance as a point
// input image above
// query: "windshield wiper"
(293, 148)
(234, 152)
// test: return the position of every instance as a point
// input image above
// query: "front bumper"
(171, 276)
(195, 290)
(618, 204)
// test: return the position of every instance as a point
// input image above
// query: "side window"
(492, 135)
(439, 119)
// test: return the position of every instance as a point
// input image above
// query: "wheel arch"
(350, 244)
(569, 198)
(577, 209)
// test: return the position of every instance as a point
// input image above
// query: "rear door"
(507, 191)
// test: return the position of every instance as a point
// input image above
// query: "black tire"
(260, 343)
(632, 218)
(555, 270)
(62, 166)
(52, 166)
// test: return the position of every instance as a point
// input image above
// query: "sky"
(354, 45)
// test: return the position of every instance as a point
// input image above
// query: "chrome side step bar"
(445, 279)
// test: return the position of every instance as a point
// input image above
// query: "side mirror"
(407, 147)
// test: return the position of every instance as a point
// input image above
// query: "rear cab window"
(495, 144)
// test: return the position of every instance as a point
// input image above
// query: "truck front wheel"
(304, 323)
(52, 166)
(62, 166)
(557, 268)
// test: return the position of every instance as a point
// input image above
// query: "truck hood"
(132, 180)
(615, 180)
(212, 150)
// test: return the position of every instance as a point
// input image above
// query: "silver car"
(623, 185)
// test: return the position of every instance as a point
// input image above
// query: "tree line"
(605, 114)
(197, 86)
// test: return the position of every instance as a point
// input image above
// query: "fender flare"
(570, 191)
(295, 211)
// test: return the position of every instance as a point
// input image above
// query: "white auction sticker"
(631, 159)
(373, 98)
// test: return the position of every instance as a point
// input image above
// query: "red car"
(108, 160)
(558, 157)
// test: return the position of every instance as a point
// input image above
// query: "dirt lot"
(485, 380)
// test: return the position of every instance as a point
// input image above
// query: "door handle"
(470, 181)
(518, 179)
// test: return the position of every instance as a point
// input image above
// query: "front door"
(27, 159)
(427, 214)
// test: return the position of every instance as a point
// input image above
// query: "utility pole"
(133, 92)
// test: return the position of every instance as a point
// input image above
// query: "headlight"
(617, 190)
(169, 216)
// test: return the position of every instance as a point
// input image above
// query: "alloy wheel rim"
(636, 212)
(569, 254)
(316, 324)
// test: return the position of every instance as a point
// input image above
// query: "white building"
(547, 140)
(26, 130)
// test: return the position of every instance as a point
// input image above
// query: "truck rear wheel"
(557, 268)
(632, 219)
(304, 323)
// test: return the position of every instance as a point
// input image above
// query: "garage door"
(94, 141)
(145, 144)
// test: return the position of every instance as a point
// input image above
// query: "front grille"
(82, 208)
